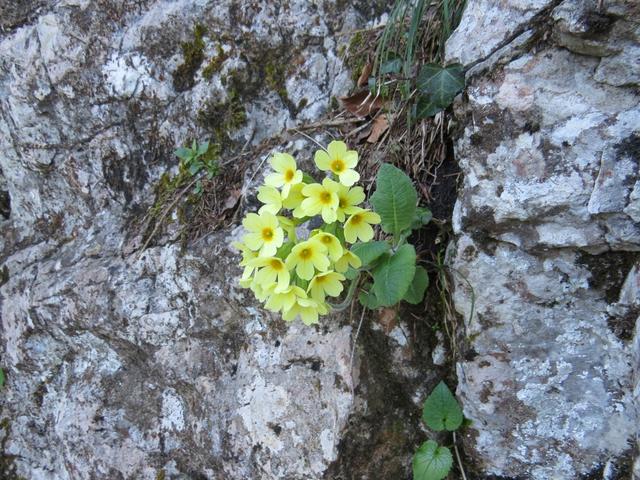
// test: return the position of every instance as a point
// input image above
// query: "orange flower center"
(356, 219)
(320, 279)
(276, 264)
(343, 202)
(326, 239)
(305, 253)
(288, 175)
(337, 166)
(267, 234)
(325, 197)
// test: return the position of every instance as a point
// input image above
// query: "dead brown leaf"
(379, 126)
(363, 79)
(362, 103)
(387, 319)
(232, 199)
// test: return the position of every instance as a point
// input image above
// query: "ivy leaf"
(394, 199)
(370, 251)
(420, 282)
(425, 108)
(441, 84)
(431, 462)
(441, 410)
(393, 275)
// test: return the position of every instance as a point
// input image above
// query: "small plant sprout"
(441, 411)
(198, 158)
(299, 277)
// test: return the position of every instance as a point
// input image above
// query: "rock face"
(156, 365)
(548, 235)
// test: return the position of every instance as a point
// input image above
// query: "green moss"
(161, 475)
(223, 118)
(274, 76)
(215, 63)
(193, 53)
(357, 58)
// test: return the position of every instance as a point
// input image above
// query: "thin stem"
(353, 351)
(455, 448)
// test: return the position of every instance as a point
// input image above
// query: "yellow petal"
(322, 160)
(349, 177)
(337, 149)
(252, 223)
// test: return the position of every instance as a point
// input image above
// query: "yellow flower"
(307, 255)
(321, 199)
(284, 300)
(272, 199)
(272, 270)
(294, 200)
(331, 242)
(247, 256)
(359, 224)
(339, 161)
(329, 283)
(346, 260)
(262, 291)
(286, 173)
(348, 201)
(264, 234)
(307, 309)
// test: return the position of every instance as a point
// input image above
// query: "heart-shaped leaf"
(441, 410)
(431, 462)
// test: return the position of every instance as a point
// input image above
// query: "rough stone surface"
(547, 236)
(121, 365)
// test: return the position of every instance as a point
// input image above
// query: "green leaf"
(1, 378)
(431, 462)
(422, 217)
(285, 250)
(441, 84)
(441, 410)
(424, 108)
(370, 251)
(368, 300)
(183, 153)
(351, 273)
(391, 66)
(394, 199)
(420, 282)
(195, 167)
(202, 149)
(393, 275)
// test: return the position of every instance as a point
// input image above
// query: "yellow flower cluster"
(295, 276)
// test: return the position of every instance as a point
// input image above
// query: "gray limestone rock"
(547, 236)
(157, 365)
